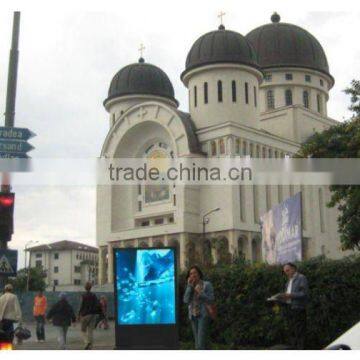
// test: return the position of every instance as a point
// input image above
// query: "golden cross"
(220, 16)
(141, 49)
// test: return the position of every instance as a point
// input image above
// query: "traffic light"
(7, 201)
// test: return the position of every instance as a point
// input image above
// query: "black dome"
(220, 46)
(285, 45)
(141, 79)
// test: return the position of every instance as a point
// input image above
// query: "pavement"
(103, 339)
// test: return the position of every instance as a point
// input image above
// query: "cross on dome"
(141, 51)
(220, 16)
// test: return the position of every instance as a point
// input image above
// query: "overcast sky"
(68, 57)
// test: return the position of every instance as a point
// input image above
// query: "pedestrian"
(62, 316)
(39, 311)
(295, 299)
(104, 321)
(199, 296)
(10, 311)
(90, 309)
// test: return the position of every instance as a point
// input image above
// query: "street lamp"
(27, 266)
(205, 219)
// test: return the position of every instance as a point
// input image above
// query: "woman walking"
(62, 315)
(199, 296)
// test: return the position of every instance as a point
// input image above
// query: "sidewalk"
(103, 339)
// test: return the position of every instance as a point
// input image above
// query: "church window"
(139, 205)
(220, 92)
(222, 146)
(267, 77)
(233, 90)
(213, 148)
(318, 99)
(270, 99)
(237, 146)
(288, 76)
(258, 151)
(270, 153)
(246, 93)
(145, 223)
(195, 96)
(242, 203)
(174, 200)
(306, 98)
(321, 82)
(255, 97)
(251, 150)
(263, 152)
(244, 148)
(307, 78)
(288, 97)
(206, 96)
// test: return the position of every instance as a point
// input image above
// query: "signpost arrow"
(15, 146)
(13, 133)
(10, 155)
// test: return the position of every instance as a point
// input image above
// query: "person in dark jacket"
(89, 310)
(62, 315)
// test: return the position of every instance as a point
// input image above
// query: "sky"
(69, 54)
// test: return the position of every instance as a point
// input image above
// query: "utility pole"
(7, 229)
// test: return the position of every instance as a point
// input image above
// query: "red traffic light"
(6, 200)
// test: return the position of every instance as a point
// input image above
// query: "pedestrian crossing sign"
(8, 262)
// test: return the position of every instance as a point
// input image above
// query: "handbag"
(22, 333)
(212, 311)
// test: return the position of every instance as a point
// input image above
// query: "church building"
(259, 95)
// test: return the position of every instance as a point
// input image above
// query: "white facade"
(249, 124)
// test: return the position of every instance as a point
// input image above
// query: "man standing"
(295, 298)
(10, 311)
(89, 309)
(39, 312)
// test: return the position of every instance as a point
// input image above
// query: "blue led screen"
(145, 284)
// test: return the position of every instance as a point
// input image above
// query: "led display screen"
(145, 286)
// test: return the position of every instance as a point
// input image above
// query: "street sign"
(15, 146)
(8, 262)
(10, 155)
(13, 133)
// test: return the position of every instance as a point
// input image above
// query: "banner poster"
(282, 232)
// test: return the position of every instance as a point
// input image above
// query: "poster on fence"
(282, 232)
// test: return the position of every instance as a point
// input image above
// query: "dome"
(220, 46)
(141, 79)
(285, 45)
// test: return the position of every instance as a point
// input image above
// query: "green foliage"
(36, 280)
(342, 141)
(246, 320)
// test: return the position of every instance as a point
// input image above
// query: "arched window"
(288, 97)
(233, 90)
(213, 148)
(270, 101)
(206, 97)
(220, 93)
(246, 93)
(255, 97)
(306, 99)
(195, 96)
(222, 146)
(237, 146)
(244, 148)
(252, 150)
(319, 107)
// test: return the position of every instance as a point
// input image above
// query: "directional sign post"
(13, 142)
(8, 262)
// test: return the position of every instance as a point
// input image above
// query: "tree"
(36, 279)
(342, 141)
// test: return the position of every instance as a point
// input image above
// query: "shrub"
(247, 320)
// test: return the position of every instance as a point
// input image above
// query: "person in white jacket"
(10, 311)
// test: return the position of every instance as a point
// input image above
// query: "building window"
(246, 93)
(213, 148)
(244, 148)
(255, 97)
(56, 282)
(171, 219)
(159, 221)
(38, 263)
(288, 97)
(139, 206)
(251, 150)
(77, 282)
(220, 93)
(206, 97)
(233, 90)
(237, 146)
(288, 76)
(270, 100)
(318, 99)
(307, 78)
(38, 256)
(267, 77)
(56, 269)
(145, 223)
(306, 99)
(195, 96)
(222, 146)
(174, 200)
(77, 269)
(56, 256)
(321, 82)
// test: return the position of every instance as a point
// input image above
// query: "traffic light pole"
(10, 112)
